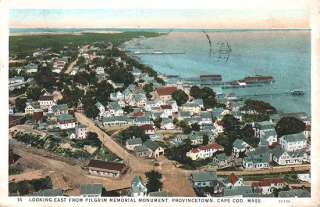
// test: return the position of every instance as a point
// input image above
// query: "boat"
(211, 77)
(231, 97)
(297, 92)
(258, 79)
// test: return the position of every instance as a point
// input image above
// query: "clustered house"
(204, 152)
(153, 103)
(164, 93)
(66, 121)
(106, 169)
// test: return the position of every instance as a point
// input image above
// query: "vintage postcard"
(202, 103)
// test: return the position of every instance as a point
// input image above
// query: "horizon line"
(166, 28)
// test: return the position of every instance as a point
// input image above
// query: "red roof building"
(166, 107)
(268, 182)
(208, 147)
(148, 128)
(166, 90)
(232, 178)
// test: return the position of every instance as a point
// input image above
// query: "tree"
(230, 123)
(180, 97)
(148, 88)
(91, 111)
(157, 122)
(226, 142)
(186, 129)
(128, 109)
(209, 102)
(20, 104)
(195, 92)
(33, 93)
(205, 139)
(195, 127)
(133, 131)
(289, 125)
(256, 106)
(154, 181)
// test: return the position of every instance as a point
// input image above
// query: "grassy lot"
(290, 177)
(25, 45)
(27, 187)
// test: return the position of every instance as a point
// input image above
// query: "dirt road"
(72, 64)
(278, 169)
(175, 180)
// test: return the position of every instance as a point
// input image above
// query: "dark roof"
(106, 165)
(151, 145)
(86, 189)
(46, 98)
(49, 192)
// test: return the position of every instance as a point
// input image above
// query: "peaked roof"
(268, 182)
(232, 178)
(151, 145)
(65, 117)
(238, 143)
(134, 141)
(166, 90)
(294, 137)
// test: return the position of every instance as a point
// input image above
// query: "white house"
(115, 121)
(204, 152)
(154, 147)
(32, 107)
(267, 185)
(166, 111)
(167, 124)
(31, 68)
(239, 146)
(304, 177)
(66, 121)
(233, 181)
(46, 101)
(133, 142)
(260, 127)
(99, 70)
(283, 157)
(268, 138)
(259, 158)
(293, 142)
(81, 131)
(174, 106)
(194, 106)
(164, 92)
(101, 109)
(138, 189)
(114, 109)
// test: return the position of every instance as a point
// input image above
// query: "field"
(25, 45)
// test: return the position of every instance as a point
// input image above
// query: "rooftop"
(106, 165)
(203, 176)
(49, 192)
(90, 189)
(166, 90)
(294, 137)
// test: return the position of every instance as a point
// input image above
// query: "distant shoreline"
(32, 31)
(61, 33)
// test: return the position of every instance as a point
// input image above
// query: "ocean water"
(283, 54)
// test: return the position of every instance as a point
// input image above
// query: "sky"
(159, 14)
